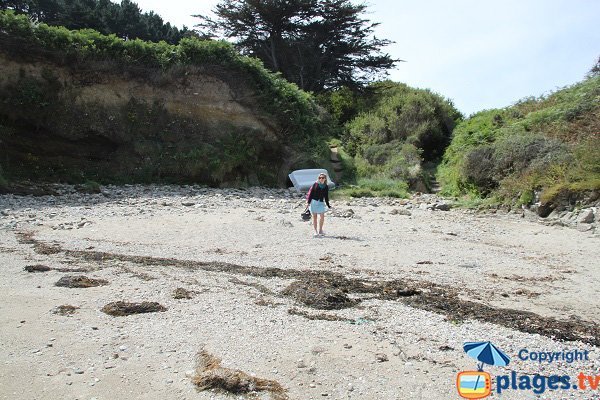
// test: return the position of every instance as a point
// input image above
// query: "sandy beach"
(378, 308)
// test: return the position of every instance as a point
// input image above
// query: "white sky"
(481, 54)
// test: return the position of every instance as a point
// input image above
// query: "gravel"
(148, 241)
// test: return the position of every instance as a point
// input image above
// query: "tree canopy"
(125, 20)
(318, 44)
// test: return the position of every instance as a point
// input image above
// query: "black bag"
(305, 214)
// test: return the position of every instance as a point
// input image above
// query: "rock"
(400, 211)
(381, 357)
(181, 293)
(543, 210)
(37, 268)
(584, 228)
(441, 206)
(586, 216)
(349, 213)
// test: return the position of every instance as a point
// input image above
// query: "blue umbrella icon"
(486, 353)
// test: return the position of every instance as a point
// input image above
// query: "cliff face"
(97, 121)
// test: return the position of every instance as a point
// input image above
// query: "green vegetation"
(390, 137)
(125, 20)
(141, 140)
(374, 187)
(546, 146)
(293, 108)
(395, 129)
(90, 187)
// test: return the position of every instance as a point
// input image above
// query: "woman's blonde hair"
(322, 175)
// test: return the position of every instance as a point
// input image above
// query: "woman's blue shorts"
(317, 207)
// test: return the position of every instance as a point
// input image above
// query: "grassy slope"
(545, 147)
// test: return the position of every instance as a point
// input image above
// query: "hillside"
(539, 152)
(78, 105)
(392, 134)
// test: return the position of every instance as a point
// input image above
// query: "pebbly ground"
(400, 284)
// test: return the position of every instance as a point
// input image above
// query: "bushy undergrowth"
(374, 187)
(397, 112)
(45, 104)
(542, 146)
(395, 128)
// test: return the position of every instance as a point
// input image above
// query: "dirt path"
(336, 163)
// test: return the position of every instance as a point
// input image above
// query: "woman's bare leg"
(321, 222)
(315, 222)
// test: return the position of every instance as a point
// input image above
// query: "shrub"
(546, 144)
(397, 128)
(479, 169)
(400, 113)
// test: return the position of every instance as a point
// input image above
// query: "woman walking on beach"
(318, 196)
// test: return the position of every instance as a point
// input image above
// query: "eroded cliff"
(64, 116)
